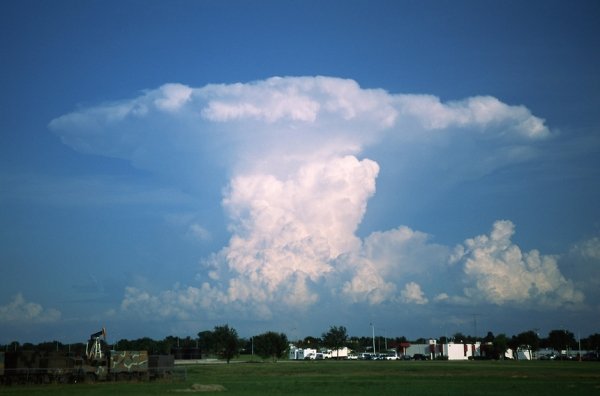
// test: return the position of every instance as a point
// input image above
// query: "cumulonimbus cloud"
(297, 188)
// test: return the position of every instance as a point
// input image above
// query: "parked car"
(591, 356)
(419, 356)
(565, 357)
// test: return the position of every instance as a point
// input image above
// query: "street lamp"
(373, 328)
(384, 339)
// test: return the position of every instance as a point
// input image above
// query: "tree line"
(224, 343)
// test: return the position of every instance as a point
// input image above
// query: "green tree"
(310, 342)
(561, 340)
(225, 342)
(13, 346)
(489, 337)
(246, 346)
(500, 345)
(28, 346)
(335, 338)
(145, 344)
(592, 342)
(529, 340)
(169, 343)
(459, 337)
(49, 346)
(487, 346)
(206, 341)
(271, 345)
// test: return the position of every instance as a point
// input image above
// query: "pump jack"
(93, 348)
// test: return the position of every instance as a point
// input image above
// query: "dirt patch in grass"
(202, 388)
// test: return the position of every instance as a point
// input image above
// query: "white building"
(430, 350)
(301, 354)
(520, 354)
(453, 351)
(311, 353)
(341, 353)
(462, 351)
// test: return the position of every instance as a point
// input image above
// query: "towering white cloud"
(287, 232)
(499, 272)
(297, 188)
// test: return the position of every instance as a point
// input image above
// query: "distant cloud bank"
(20, 310)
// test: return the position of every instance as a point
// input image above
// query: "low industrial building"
(433, 350)
(311, 353)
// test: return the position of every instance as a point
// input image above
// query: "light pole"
(579, 354)
(373, 328)
(384, 340)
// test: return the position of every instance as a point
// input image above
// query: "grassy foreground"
(358, 378)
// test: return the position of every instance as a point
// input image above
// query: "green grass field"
(359, 378)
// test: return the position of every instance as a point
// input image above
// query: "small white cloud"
(412, 294)
(367, 285)
(172, 97)
(200, 233)
(455, 300)
(403, 251)
(21, 311)
(588, 249)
